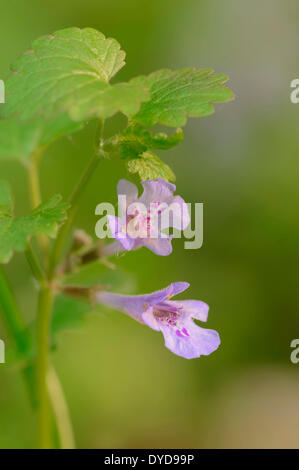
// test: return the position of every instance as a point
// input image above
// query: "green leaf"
(160, 141)
(149, 166)
(15, 231)
(136, 139)
(176, 95)
(104, 101)
(69, 72)
(134, 144)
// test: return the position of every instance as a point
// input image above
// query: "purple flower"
(173, 318)
(145, 219)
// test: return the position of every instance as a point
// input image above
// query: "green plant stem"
(43, 325)
(42, 364)
(35, 193)
(55, 391)
(43, 317)
(33, 176)
(34, 264)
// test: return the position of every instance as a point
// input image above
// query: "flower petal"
(128, 189)
(160, 246)
(170, 186)
(191, 341)
(116, 232)
(181, 218)
(178, 287)
(136, 305)
(158, 190)
(112, 248)
(150, 320)
(193, 308)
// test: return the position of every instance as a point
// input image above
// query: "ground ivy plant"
(56, 87)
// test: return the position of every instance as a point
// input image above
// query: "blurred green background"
(125, 390)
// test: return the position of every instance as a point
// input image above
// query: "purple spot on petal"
(179, 334)
(185, 332)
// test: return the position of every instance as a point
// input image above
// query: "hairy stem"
(42, 364)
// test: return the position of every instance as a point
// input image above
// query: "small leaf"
(149, 166)
(176, 95)
(69, 72)
(160, 141)
(136, 139)
(15, 231)
(130, 148)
